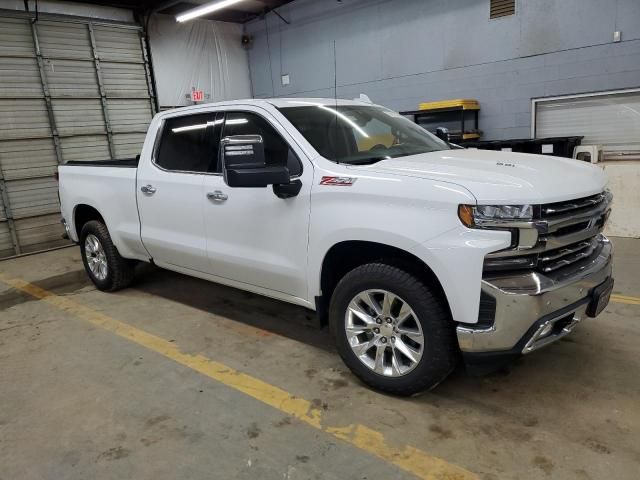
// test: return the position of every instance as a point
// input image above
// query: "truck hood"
(502, 177)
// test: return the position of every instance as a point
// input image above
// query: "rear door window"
(189, 144)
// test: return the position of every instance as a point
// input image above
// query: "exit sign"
(197, 95)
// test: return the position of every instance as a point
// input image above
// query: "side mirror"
(243, 151)
(443, 133)
(244, 163)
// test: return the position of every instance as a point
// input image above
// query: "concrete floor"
(78, 401)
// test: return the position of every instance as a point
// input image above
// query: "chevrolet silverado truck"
(417, 254)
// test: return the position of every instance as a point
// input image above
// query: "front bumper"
(534, 309)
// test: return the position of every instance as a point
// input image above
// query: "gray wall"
(403, 52)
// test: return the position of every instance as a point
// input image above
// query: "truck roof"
(296, 102)
(276, 102)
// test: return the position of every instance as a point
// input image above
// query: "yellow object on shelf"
(470, 136)
(462, 103)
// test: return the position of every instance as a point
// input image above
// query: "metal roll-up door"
(70, 89)
(127, 85)
(609, 119)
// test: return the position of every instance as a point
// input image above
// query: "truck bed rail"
(123, 163)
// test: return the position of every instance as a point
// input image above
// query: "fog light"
(548, 328)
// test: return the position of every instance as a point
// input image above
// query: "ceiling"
(239, 13)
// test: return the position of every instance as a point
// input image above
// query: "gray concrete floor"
(79, 402)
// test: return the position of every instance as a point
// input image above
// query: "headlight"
(490, 215)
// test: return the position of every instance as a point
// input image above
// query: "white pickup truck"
(413, 251)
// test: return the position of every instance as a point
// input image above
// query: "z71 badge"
(338, 181)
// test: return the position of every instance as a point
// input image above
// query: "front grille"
(553, 260)
(576, 227)
(568, 232)
(547, 261)
(551, 210)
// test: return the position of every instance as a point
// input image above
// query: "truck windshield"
(357, 134)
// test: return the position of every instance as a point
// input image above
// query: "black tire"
(119, 270)
(440, 352)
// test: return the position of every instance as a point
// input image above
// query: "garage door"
(608, 119)
(69, 90)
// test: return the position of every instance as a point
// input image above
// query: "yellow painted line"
(412, 460)
(625, 299)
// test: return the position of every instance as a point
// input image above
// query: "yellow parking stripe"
(412, 460)
(625, 299)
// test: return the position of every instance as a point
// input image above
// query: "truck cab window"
(276, 150)
(189, 144)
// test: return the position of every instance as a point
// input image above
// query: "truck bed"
(109, 187)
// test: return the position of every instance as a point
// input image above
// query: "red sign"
(197, 95)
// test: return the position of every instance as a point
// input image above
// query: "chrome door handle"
(217, 196)
(148, 189)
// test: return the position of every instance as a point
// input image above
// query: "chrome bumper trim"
(524, 299)
(67, 229)
(567, 323)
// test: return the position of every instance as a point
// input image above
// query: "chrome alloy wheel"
(96, 258)
(384, 332)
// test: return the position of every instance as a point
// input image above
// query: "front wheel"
(106, 268)
(392, 330)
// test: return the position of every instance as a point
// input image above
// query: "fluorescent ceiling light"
(199, 126)
(205, 9)
(237, 121)
(188, 128)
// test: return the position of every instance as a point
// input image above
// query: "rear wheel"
(392, 330)
(106, 268)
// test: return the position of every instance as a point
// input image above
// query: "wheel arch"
(83, 213)
(344, 256)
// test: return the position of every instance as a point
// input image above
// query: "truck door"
(253, 236)
(170, 190)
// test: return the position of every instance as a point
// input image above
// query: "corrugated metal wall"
(70, 89)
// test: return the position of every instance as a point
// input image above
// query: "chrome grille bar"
(563, 252)
(567, 259)
(564, 207)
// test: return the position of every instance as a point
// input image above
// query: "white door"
(253, 236)
(170, 191)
